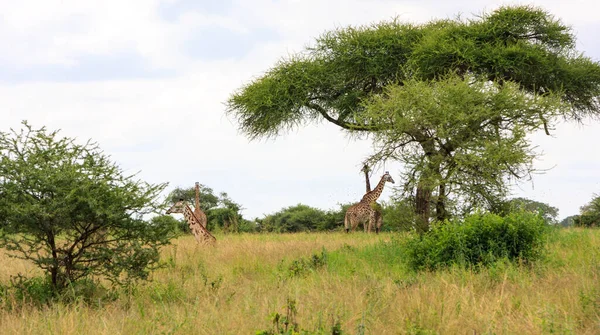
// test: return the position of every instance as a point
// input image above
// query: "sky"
(148, 79)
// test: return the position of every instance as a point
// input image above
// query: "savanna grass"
(363, 286)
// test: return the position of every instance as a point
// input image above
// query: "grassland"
(362, 283)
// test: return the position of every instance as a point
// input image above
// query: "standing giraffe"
(200, 232)
(363, 211)
(376, 206)
(197, 211)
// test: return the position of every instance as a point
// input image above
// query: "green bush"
(398, 215)
(480, 239)
(294, 219)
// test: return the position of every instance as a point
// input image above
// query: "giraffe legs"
(347, 222)
(368, 217)
(378, 222)
(372, 221)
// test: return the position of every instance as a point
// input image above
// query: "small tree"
(222, 212)
(67, 208)
(547, 212)
(208, 199)
(589, 214)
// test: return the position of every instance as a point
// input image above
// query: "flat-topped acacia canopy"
(451, 99)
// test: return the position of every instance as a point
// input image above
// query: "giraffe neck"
(197, 203)
(374, 195)
(189, 216)
(367, 182)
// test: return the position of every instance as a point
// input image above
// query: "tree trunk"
(440, 204)
(54, 266)
(422, 199)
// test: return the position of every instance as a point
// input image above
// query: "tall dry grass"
(234, 287)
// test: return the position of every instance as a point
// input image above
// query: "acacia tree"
(547, 212)
(72, 212)
(221, 211)
(457, 136)
(208, 199)
(519, 63)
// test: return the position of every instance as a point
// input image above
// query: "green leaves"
(67, 208)
(479, 239)
(331, 79)
(222, 212)
(464, 132)
(589, 214)
(454, 100)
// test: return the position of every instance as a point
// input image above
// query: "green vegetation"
(301, 218)
(589, 214)
(69, 210)
(481, 239)
(223, 214)
(364, 285)
(453, 100)
(547, 212)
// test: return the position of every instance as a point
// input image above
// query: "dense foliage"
(397, 216)
(72, 212)
(547, 212)
(222, 212)
(300, 218)
(589, 214)
(453, 100)
(479, 239)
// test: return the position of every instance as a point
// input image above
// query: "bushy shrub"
(169, 224)
(398, 215)
(294, 219)
(480, 239)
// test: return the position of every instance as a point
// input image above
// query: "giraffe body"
(366, 210)
(200, 232)
(375, 205)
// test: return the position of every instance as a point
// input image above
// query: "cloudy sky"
(147, 80)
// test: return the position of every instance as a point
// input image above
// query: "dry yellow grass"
(234, 287)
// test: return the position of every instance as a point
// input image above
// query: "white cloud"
(174, 129)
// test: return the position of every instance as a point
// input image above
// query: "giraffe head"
(177, 207)
(387, 178)
(365, 168)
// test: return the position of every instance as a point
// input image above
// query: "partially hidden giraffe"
(197, 210)
(200, 232)
(375, 205)
(364, 211)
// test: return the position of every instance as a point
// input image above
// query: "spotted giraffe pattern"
(364, 211)
(375, 205)
(197, 211)
(200, 232)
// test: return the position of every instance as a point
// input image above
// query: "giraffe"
(363, 211)
(197, 211)
(375, 205)
(200, 232)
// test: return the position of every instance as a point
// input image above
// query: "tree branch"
(343, 124)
